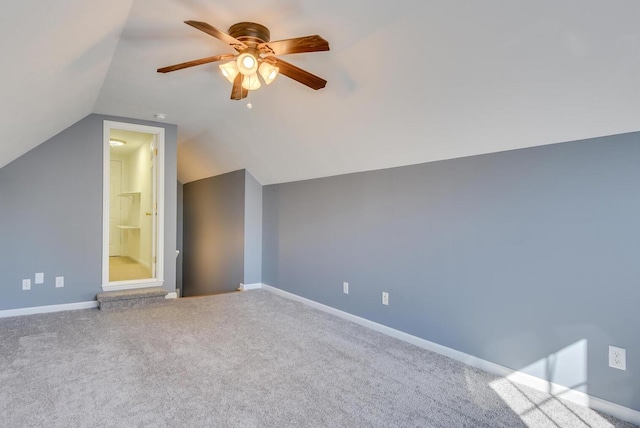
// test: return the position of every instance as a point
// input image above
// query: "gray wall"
(510, 257)
(214, 234)
(252, 230)
(51, 216)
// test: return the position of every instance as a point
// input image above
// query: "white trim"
(595, 403)
(160, 226)
(173, 295)
(159, 133)
(47, 309)
(132, 285)
(247, 287)
(106, 165)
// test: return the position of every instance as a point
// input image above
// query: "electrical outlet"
(40, 278)
(345, 287)
(617, 358)
(385, 298)
(26, 284)
(59, 281)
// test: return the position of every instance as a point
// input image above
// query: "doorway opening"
(132, 206)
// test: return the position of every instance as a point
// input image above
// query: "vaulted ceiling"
(409, 81)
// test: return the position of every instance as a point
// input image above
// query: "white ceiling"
(55, 57)
(133, 141)
(409, 81)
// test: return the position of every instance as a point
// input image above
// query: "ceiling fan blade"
(238, 92)
(195, 62)
(294, 46)
(298, 74)
(203, 26)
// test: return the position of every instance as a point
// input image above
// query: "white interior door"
(115, 208)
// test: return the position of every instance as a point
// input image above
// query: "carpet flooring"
(250, 359)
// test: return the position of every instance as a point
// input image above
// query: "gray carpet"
(248, 359)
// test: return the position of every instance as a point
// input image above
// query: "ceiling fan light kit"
(229, 70)
(256, 55)
(268, 72)
(251, 82)
(247, 63)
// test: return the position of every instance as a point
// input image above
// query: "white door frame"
(159, 191)
(154, 205)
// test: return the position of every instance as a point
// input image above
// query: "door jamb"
(159, 133)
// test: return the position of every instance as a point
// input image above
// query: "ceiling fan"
(256, 54)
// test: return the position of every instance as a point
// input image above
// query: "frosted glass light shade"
(247, 63)
(251, 82)
(268, 72)
(229, 70)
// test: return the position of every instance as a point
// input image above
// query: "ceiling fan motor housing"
(250, 33)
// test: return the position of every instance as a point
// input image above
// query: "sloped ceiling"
(409, 81)
(55, 57)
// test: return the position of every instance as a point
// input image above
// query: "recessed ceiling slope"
(409, 82)
(55, 58)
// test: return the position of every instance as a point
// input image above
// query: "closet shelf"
(128, 227)
(129, 194)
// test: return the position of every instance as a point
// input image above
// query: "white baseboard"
(47, 309)
(595, 403)
(173, 295)
(246, 287)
